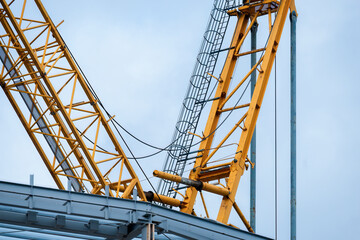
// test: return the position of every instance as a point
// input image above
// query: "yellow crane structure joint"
(198, 185)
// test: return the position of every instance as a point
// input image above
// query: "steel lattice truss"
(222, 177)
(64, 120)
(196, 96)
(56, 106)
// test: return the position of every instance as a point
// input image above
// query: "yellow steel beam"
(27, 64)
(90, 96)
(233, 171)
(242, 217)
(167, 200)
(214, 115)
(293, 7)
(42, 66)
(238, 166)
(34, 139)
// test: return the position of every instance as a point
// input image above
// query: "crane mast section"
(213, 118)
(204, 170)
(238, 165)
(42, 81)
(197, 95)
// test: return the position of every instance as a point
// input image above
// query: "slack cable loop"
(97, 98)
(160, 149)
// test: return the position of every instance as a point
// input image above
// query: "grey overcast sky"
(139, 55)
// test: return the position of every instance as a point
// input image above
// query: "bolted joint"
(293, 16)
(254, 27)
(43, 74)
(198, 185)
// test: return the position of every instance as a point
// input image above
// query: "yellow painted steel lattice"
(64, 120)
(56, 106)
(208, 174)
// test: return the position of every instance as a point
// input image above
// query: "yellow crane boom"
(65, 121)
(53, 100)
(203, 171)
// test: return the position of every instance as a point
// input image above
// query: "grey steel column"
(253, 140)
(147, 233)
(293, 19)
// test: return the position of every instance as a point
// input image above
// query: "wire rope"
(114, 122)
(275, 145)
(276, 170)
(95, 95)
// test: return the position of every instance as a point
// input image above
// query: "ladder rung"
(184, 160)
(192, 152)
(209, 100)
(222, 50)
(179, 188)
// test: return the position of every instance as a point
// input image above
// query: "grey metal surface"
(293, 19)
(24, 232)
(101, 216)
(253, 140)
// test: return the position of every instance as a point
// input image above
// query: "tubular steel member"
(293, 19)
(54, 101)
(246, 223)
(232, 171)
(196, 184)
(162, 199)
(253, 140)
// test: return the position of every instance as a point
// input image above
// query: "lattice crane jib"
(196, 95)
(207, 174)
(65, 121)
(57, 107)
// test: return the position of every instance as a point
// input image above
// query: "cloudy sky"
(139, 55)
